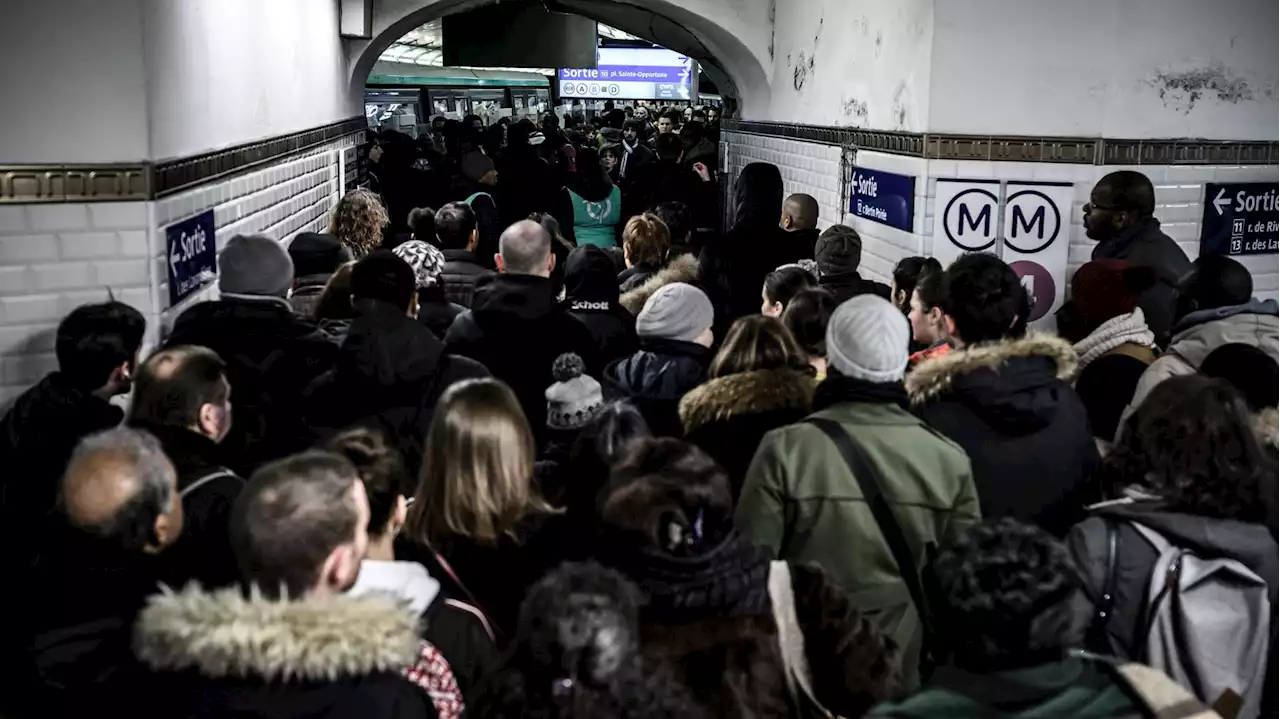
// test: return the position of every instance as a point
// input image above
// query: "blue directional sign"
(192, 256)
(883, 197)
(1240, 219)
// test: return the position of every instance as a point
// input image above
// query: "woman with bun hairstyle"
(460, 631)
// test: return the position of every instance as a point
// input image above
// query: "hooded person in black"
(591, 289)
(1003, 396)
(525, 184)
(732, 268)
(390, 369)
(515, 328)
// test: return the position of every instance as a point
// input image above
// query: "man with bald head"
(118, 510)
(800, 220)
(1120, 218)
(516, 327)
(182, 396)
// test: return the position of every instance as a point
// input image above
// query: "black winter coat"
(435, 312)
(656, 378)
(1025, 430)
(516, 329)
(846, 287)
(74, 620)
(203, 552)
(221, 655)
(728, 416)
(390, 373)
(37, 437)
(271, 355)
(592, 295)
(462, 272)
(1145, 244)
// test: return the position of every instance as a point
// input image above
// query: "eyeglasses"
(1090, 207)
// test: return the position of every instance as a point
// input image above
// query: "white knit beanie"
(867, 339)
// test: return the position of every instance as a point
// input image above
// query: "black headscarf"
(757, 198)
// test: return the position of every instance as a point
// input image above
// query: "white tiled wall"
(279, 201)
(816, 169)
(55, 257)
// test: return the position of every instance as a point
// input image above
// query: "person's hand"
(702, 171)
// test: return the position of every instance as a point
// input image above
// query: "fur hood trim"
(933, 377)
(682, 269)
(746, 393)
(1267, 424)
(223, 634)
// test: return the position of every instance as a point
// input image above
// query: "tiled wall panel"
(815, 168)
(54, 258)
(280, 201)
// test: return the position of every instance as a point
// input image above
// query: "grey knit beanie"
(677, 311)
(256, 266)
(867, 339)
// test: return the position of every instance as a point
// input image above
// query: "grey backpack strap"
(1162, 696)
(216, 474)
(791, 638)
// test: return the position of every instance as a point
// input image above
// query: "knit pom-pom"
(567, 366)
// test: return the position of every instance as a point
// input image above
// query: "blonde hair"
(758, 342)
(477, 467)
(358, 221)
(647, 240)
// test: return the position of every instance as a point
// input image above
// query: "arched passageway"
(730, 39)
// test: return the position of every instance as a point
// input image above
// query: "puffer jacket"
(681, 269)
(1026, 431)
(728, 416)
(1254, 323)
(1145, 244)
(462, 272)
(656, 378)
(803, 504)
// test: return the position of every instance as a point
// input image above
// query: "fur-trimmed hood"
(224, 634)
(935, 377)
(682, 269)
(752, 392)
(1267, 424)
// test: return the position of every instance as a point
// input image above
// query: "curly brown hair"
(358, 221)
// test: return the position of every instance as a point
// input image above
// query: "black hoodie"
(591, 290)
(390, 372)
(733, 267)
(1025, 430)
(517, 330)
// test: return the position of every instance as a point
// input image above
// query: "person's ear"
(121, 375)
(339, 568)
(473, 240)
(412, 309)
(497, 261)
(167, 526)
(401, 515)
(949, 323)
(900, 298)
(209, 420)
(551, 262)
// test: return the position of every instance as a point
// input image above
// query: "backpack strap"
(791, 637)
(1160, 695)
(218, 473)
(1107, 599)
(868, 481)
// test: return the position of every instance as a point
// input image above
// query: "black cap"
(315, 253)
(383, 276)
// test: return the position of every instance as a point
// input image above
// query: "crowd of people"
(564, 447)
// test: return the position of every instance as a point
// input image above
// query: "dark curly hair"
(576, 655)
(1192, 442)
(984, 298)
(1012, 594)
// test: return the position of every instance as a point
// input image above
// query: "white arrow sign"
(1221, 200)
(684, 91)
(174, 258)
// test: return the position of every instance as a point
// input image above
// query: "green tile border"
(1014, 148)
(122, 182)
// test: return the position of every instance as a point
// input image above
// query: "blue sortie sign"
(883, 197)
(1240, 219)
(192, 256)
